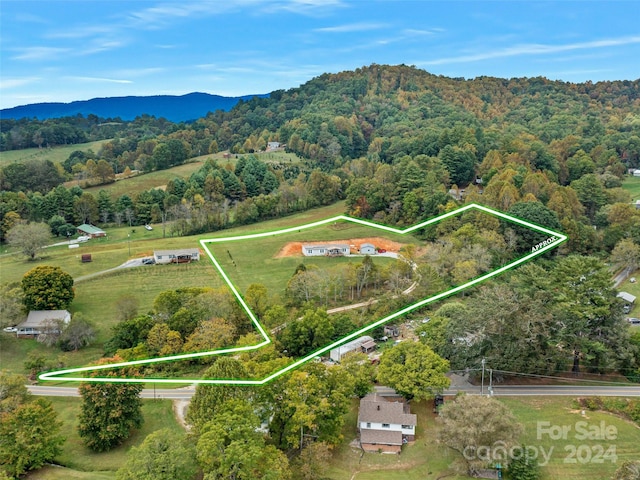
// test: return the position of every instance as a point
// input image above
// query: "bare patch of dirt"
(294, 249)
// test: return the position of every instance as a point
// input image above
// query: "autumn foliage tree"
(109, 411)
(47, 288)
(29, 429)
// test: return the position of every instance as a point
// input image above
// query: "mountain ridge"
(175, 108)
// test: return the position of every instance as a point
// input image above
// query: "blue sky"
(62, 51)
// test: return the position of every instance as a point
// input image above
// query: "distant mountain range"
(174, 108)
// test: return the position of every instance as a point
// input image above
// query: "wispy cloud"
(39, 53)
(534, 49)
(139, 72)
(352, 27)
(6, 83)
(301, 7)
(96, 79)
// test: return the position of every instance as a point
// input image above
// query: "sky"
(61, 51)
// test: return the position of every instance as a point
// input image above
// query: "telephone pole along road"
(504, 391)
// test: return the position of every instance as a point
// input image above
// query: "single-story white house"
(184, 255)
(40, 320)
(367, 249)
(627, 297)
(329, 250)
(385, 423)
(364, 344)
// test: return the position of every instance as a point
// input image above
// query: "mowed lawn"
(157, 414)
(54, 154)
(148, 181)
(255, 260)
(632, 185)
(426, 459)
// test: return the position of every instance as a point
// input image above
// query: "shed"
(185, 255)
(90, 231)
(391, 331)
(86, 257)
(356, 345)
(40, 320)
(367, 249)
(627, 297)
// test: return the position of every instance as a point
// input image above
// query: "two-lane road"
(500, 391)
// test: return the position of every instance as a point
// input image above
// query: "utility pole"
(482, 385)
(490, 389)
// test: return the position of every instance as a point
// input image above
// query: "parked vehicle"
(633, 320)
(148, 227)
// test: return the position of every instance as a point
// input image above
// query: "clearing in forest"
(467, 246)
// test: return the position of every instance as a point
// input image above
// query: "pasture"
(54, 154)
(632, 185)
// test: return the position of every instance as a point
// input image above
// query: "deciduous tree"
(109, 412)
(47, 288)
(413, 370)
(164, 455)
(29, 238)
(476, 426)
(29, 430)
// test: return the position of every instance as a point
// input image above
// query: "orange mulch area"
(294, 249)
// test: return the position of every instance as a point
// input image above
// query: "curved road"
(500, 391)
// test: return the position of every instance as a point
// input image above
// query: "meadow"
(54, 154)
(632, 185)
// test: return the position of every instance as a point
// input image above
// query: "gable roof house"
(329, 250)
(184, 255)
(90, 231)
(39, 321)
(385, 423)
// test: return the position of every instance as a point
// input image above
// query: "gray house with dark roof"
(39, 321)
(385, 423)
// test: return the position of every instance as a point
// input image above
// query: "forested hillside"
(392, 140)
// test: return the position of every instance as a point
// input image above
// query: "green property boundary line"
(554, 241)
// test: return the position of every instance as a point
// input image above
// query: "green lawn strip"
(254, 260)
(14, 351)
(157, 414)
(632, 185)
(62, 473)
(54, 154)
(141, 183)
(559, 411)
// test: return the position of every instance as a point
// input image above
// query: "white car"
(83, 238)
(148, 227)
(10, 329)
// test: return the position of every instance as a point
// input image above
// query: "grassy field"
(157, 414)
(141, 183)
(632, 185)
(159, 179)
(97, 296)
(254, 260)
(55, 154)
(426, 459)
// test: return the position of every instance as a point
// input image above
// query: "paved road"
(500, 391)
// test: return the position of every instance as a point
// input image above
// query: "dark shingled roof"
(381, 437)
(375, 409)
